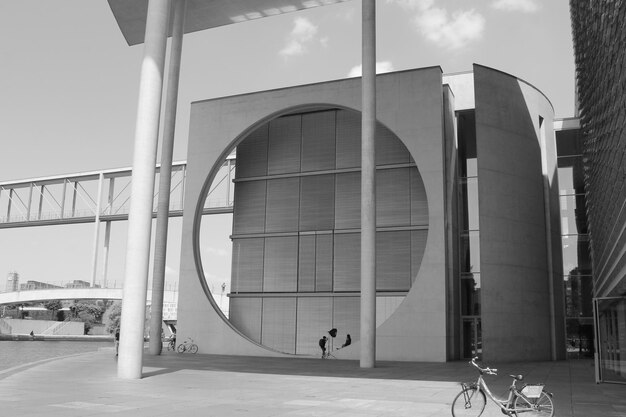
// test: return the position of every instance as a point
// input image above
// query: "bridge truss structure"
(100, 197)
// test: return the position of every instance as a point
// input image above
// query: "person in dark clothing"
(117, 341)
(347, 342)
(322, 344)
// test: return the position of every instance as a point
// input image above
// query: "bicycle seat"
(517, 377)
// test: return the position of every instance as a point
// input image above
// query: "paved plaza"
(209, 385)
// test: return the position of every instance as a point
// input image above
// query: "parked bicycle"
(187, 346)
(530, 401)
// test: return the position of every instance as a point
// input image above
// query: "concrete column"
(165, 178)
(105, 256)
(368, 188)
(129, 365)
(96, 234)
(548, 220)
(107, 234)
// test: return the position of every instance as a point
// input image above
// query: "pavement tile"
(216, 385)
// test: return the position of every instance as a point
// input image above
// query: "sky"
(69, 86)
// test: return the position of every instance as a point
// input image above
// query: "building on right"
(599, 36)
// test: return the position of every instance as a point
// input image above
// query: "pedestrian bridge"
(19, 297)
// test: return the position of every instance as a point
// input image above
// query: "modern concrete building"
(468, 232)
(599, 33)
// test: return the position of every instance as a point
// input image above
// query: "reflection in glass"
(611, 341)
(470, 295)
(472, 338)
(469, 196)
(470, 252)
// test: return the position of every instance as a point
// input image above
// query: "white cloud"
(302, 34)
(437, 26)
(526, 6)
(414, 4)
(214, 251)
(452, 32)
(381, 67)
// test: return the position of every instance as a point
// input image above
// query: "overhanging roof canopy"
(206, 14)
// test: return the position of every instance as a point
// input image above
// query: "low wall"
(63, 328)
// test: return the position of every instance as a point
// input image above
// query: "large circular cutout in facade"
(296, 229)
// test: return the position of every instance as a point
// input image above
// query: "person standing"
(322, 344)
(117, 341)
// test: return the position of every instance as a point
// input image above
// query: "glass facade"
(469, 243)
(296, 229)
(577, 279)
(611, 323)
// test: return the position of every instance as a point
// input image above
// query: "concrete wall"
(410, 104)
(19, 326)
(516, 241)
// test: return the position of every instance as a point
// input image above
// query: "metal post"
(63, 199)
(30, 201)
(368, 187)
(9, 205)
(43, 190)
(129, 365)
(96, 235)
(105, 257)
(165, 178)
(107, 233)
(74, 198)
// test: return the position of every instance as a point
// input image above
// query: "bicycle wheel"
(181, 348)
(469, 403)
(193, 348)
(538, 407)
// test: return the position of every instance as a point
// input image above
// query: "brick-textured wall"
(599, 34)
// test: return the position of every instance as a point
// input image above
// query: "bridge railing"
(37, 285)
(99, 195)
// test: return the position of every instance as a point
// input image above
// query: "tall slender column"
(105, 256)
(96, 234)
(368, 188)
(107, 233)
(165, 178)
(129, 365)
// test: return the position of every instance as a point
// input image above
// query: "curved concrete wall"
(410, 104)
(519, 242)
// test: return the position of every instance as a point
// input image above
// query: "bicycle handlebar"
(487, 371)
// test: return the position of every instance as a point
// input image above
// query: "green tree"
(54, 306)
(89, 312)
(112, 316)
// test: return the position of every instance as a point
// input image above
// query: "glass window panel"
(578, 295)
(317, 202)
(566, 180)
(347, 250)
(576, 253)
(279, 324)
(470, 252)
(252, 154)
(612, 344)
(283, 201)
(284, 145)
(314, 319)
(318, 141)
(469, 195)
(280, 264)
(470, 296)
(568, 214)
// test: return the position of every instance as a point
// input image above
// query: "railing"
(68, 285)
(98, 196)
